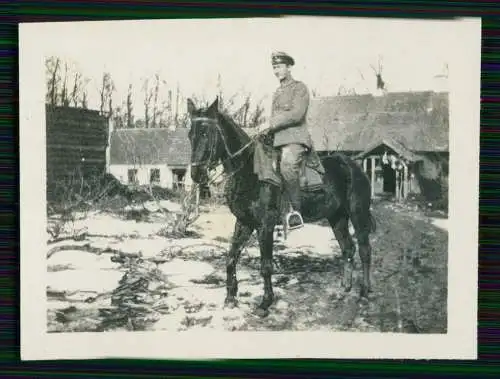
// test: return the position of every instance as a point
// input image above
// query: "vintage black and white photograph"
(295, 174)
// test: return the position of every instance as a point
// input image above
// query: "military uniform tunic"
(289, 108)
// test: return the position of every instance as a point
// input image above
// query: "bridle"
(230, 155)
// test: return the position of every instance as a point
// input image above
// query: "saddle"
(266, 166)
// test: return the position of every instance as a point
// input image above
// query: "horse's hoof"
(261, 312)
(363, 301)
(230, 303)
(347, 289)
(340, 296)
(364, 293)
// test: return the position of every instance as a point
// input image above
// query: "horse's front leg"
(241, 235)
(265, 234)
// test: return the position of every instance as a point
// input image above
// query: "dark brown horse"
(215, 138)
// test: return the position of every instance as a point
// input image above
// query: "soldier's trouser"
(292, 161)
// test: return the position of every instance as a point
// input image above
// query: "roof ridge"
(133, 129)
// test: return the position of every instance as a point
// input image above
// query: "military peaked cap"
(278, 57)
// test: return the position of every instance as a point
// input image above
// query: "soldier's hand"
(263, 128)
(263, 134)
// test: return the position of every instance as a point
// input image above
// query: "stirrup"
(295, 225)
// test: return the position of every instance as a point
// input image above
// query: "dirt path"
(179, 284)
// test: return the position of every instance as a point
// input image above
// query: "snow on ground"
(189, 279)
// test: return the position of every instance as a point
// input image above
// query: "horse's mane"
(228, 120)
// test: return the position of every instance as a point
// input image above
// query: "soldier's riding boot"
(294, 218)
(291, 165)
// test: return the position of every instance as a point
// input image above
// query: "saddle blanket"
(266, 167)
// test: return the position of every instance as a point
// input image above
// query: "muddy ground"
(127, 275)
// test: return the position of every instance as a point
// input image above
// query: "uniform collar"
(286, 82)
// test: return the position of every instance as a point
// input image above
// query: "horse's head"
(205, 138)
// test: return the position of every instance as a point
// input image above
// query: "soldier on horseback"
(288, 129)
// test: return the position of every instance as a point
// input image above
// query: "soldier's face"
(281, 71)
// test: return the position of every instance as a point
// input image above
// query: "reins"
(195, 191)
(226, 147)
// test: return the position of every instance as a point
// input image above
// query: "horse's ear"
(190, 106)
(214, 107)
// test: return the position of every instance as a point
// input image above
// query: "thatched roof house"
(411, 126)
(150, 156)
(150, 147)
(418, 121)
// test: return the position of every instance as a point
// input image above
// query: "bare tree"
(155, 102)
(106, 92)
(220, 93)
(84, 101)
(77, 89)
(177, 98)
(381, 85)
(110, 106)
(247, 114)
(162, 112)
(52, 68)
(64, 91)
(66, 84)
(84, 93)
(103, 94)
(168, 109)
(129, 106)
(148, 96)
(240, 114)
(240, 106)
(257, 116)
(119, 118)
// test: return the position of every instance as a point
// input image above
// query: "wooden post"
(405, 181)
(398, 186)
(372, 180)
(365, 162)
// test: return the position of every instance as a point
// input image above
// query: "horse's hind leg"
(241, 235)
(365, 253)
(269, 217)
(340, 228)
(362, 222)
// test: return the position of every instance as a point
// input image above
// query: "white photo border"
(460, 342)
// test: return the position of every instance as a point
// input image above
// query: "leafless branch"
(52, 68)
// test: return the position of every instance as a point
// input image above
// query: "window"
(132, 176)
(154, 176)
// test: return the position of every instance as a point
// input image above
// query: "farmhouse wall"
(120, 171)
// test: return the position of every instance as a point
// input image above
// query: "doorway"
(178, 182)
(389, 179)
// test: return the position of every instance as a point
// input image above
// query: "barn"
(400, 139)
(153, 156)
(76, 143)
